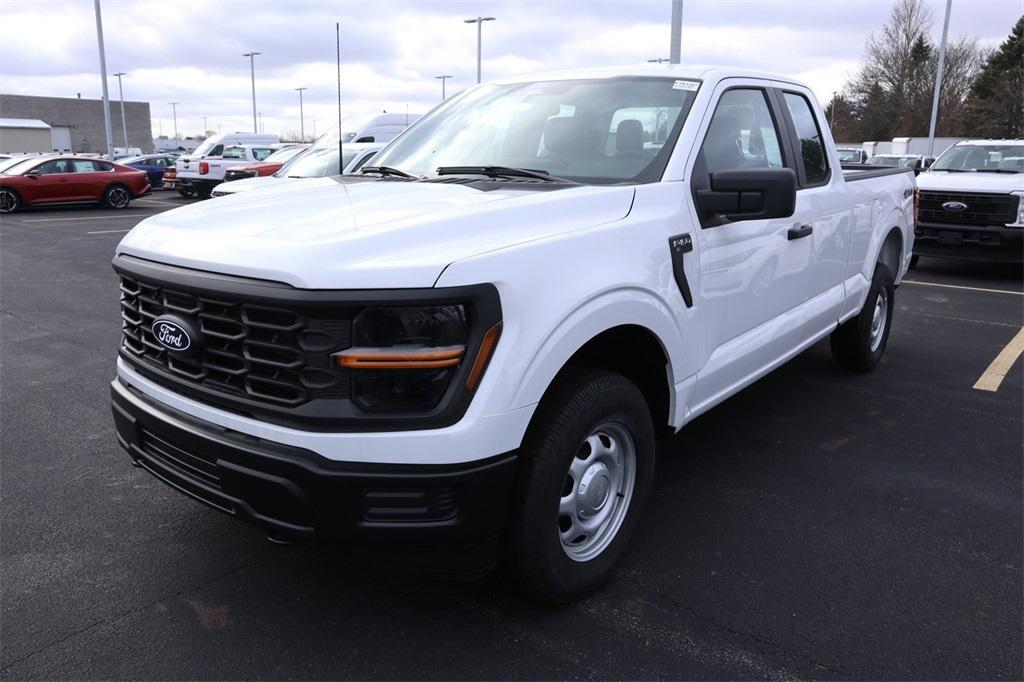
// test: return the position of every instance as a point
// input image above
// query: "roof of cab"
(682, 71)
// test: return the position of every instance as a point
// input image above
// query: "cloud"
(392, 49)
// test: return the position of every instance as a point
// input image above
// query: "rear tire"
(117, 197)
(9, 200)
(204, 192)
(587, 469)
(186, 193)
(858, 344)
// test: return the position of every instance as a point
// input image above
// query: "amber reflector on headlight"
(482, 358)
(390, 358)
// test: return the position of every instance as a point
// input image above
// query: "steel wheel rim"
(7, 201)
(118, 198)
(878, 319)
(597, 492)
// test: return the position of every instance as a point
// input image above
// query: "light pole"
(302, 118)
(124, 123)
(174, 109)
(103, 72)
(442, 79)
(479, 21)
(676, 42)
(252, 75)
(260, 130)
(204, 126)
(938, 81)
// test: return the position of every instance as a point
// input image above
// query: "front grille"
(267, 354)
(982, 209)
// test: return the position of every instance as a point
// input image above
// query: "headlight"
(1019, 222)
(403, 359)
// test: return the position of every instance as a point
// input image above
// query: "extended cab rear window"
(812, 148)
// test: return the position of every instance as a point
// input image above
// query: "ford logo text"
(171, 335)
(955, 206)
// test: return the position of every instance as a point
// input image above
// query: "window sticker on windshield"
(686, 85)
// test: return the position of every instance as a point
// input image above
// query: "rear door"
(753, 276)
(88, 182)
(822, 195)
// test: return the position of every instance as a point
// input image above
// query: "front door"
(753, 273)
(53, 182)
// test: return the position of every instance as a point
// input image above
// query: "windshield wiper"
(389, 170)
(503, 171)
(996, 170)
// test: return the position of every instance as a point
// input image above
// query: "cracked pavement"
(817, 525)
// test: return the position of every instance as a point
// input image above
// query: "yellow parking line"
(954, 286)
(996, 372)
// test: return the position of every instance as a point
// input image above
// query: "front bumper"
(995, 243)
(297, 493)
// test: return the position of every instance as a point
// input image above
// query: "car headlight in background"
(404, 359)
(1019, 222)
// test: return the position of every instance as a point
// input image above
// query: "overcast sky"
(189, 51)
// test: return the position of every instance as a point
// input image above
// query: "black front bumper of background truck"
(297, 493)
(989, 243)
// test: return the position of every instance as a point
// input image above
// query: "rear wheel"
(204, 192)
(9, 200)
(117, 196)
(858, 344)
(588, 467)
(186, 192)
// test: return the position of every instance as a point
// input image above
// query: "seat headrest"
(564, 135)
(629, 137)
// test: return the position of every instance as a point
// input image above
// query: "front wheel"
(588, 467)
(9, 200)
(186, 193)
(117, 196)
(858, 344)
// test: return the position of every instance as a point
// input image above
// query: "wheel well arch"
(891, 252)
(635, 352)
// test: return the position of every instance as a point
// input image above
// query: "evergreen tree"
(997, 106)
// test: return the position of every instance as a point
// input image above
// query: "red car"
(71, 180)
(268, 166)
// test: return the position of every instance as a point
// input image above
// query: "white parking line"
(992, 377)
(954, 286)
(69, 220)
(107, 231)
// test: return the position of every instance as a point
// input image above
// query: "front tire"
(186, 193)
(588, 468)
(858, 344)
(117, 197)
(9, 200)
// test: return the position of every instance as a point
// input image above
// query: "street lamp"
(302, 118)
(442, 79)
(103, 72)
(174, 109)
(124, 124)
(252, 75)
(204, 126)
(479, 21)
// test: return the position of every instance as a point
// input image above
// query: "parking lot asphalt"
(818, 524)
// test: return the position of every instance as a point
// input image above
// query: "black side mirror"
(748, 194)
(34, 172)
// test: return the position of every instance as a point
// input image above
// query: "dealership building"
(69, 124)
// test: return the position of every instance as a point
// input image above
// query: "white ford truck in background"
(189, 178)
(474, 344)
(972, 203)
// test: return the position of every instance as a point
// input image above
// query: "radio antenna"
(341, 157)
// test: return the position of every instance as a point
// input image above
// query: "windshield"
(132, 159)
(316, 163)
(987, 158)
(205, 147)
(894, 161)
(599, 131)
(19, 166)
(282, 155)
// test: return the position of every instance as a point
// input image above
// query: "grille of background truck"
(982, 209)
(271, 355)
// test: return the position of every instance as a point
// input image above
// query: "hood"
(332, 233)
(996, 183)
(245, 184)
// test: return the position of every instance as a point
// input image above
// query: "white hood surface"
(994, 183)
(329, 234)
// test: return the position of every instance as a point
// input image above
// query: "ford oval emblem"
(955, 206)
(171, 335)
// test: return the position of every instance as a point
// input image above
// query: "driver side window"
(742, 133)
(53, 167)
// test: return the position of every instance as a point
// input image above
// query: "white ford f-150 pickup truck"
(474, 344)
